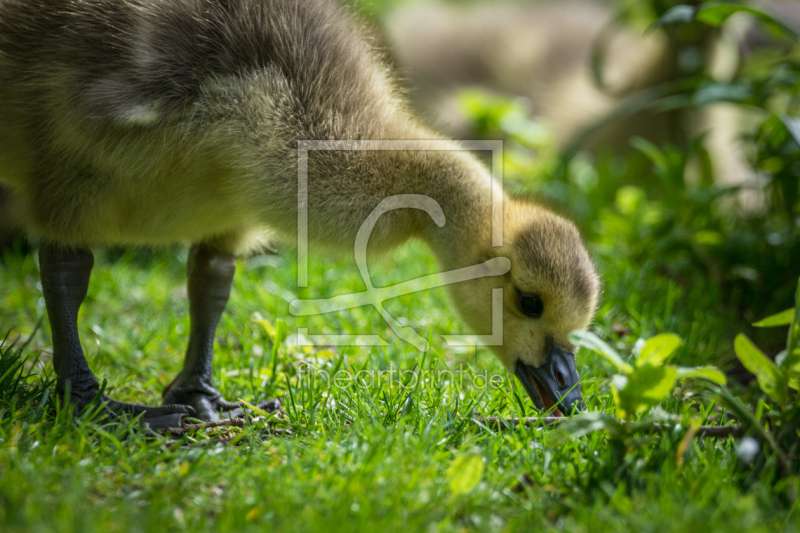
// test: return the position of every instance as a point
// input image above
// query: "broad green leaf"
(657, 349)
(589, 340)
(646, 386)
(781, 319)
(710, 373)
(465, 473)
(754, 360)
(652, 382)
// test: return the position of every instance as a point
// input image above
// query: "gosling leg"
(65, 277)
(210, 275)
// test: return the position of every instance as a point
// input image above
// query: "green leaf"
(657, 349)
(465, 473)
(589, 340)
(652, 383)
(783, 318)
(710, 373)
(754, 360)
(645, 387)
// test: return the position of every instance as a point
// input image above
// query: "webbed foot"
(157, 417)
(208, 403)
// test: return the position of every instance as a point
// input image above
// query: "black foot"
(208, 403)
(158, 417)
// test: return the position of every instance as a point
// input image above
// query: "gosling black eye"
(531, 305)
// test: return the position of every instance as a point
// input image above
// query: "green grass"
(355, 457)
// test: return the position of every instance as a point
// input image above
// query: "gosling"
(146, 123)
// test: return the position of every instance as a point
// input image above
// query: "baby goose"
(145, 122)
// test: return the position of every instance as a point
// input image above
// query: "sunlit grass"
(359, 455)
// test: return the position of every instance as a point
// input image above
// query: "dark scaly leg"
(210, 274)
(65, 279)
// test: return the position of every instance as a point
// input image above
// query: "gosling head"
(551, 289)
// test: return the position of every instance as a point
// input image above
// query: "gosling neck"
(466, 192)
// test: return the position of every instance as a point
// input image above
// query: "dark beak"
(555, 382)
